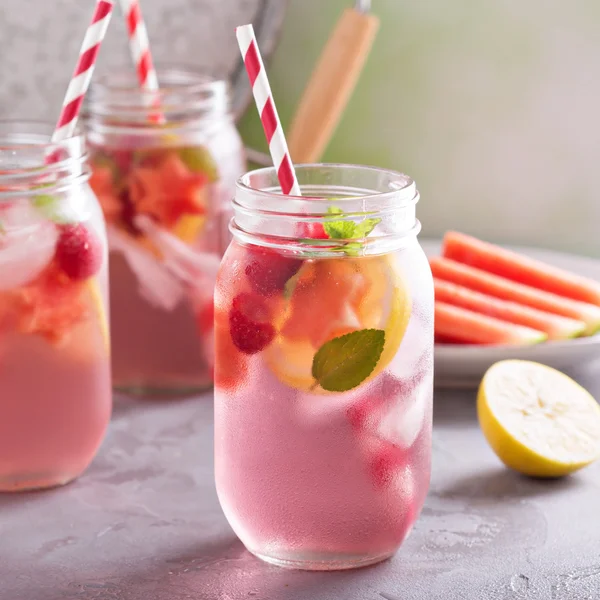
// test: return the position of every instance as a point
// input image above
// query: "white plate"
(464, 366)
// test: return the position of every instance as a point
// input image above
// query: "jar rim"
(395, 189)
(350, 208)
(30, 161)
(175, 76)
(39, 133)
(183, 93)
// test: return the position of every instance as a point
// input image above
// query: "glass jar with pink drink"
(324, 367)
(164, 169)
(55, 384)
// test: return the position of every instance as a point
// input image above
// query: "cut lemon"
(331, 298)
(188, 227)
(97, 304)
(537, 420)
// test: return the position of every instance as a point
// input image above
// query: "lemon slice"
(390, 294)
(382, 301)
(537, 420)
(188, 227)
(97, 304)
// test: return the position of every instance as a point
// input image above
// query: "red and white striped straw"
(139, 45)
(80, 82)
(267, 111)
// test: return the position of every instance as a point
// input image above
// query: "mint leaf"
(347, 230)
(49, 206)
(199, 160)
(2, 228)
(346, 361)
(364, 228)
(352, 248)
(338, 230)
(54, 209)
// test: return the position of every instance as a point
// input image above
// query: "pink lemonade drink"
(55, 390)
(164, 169)
(324, 367)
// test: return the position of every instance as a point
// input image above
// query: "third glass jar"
(164, 169)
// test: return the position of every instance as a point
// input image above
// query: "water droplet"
(519, 583)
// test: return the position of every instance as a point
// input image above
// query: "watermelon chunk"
(556, 326)
(499, 287)
(468, 326)
(516, 267)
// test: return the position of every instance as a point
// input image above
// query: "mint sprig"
(346, 229)
(58, 210)
(344, 362)
(339, 230)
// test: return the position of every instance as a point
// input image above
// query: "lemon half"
(537, 420)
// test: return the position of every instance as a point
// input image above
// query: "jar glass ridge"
(260, 211)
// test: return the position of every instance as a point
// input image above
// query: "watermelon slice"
(492, 285)
(467, 326)
(556, 326)
(444, 339)
(516, 267)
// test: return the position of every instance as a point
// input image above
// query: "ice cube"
(403, 421)
(196, 269)
(27, 244)
(395, 408)
(157, 284)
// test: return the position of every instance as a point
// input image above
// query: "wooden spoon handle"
(331, 85)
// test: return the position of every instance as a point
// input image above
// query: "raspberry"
(387, 464)
(358, 414)
(313, 231)
(78, 252)
(368, 408)
(249, 324)
(268, 271)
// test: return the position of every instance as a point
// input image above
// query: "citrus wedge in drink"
(98, 315)
(537, 420)
(331, 298)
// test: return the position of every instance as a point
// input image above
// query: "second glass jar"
(164, 169)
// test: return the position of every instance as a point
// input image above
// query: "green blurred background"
(491, 106)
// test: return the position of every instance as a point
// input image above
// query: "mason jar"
(55, 390)
(164, 169)
(324, 367)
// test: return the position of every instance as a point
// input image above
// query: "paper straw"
(267, 111)
(80, 81)
(139, 47)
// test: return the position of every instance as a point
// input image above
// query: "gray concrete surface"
(144, 524)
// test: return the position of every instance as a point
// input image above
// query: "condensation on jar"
(55, 388)
(164, 169)
(324, 367)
